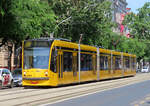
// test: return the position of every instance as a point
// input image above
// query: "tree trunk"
(10, 56)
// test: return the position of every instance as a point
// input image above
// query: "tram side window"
(53, 61)
(117, 63)
(86, 62)
(67, 61)
(133, 63)
(103, 62)
(127, 63)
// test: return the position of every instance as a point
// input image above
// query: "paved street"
(132, 95)
(109, 94)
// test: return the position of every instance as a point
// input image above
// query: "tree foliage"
(124, 44)
(131, 46)
(70, 19)
(20, 19)
(139, 26)
(89, 18)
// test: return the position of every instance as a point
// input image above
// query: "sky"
(135, 4)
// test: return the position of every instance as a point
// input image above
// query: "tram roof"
(48, 39)
(67, 40)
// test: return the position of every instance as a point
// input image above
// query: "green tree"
(21, 19)
(124, 44)
(92, 19)
(131, 45)
(139, 24)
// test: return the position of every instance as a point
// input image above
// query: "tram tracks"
(17, 91)
(37, 92)
(6, 89)
(51, 89)
(37, 97)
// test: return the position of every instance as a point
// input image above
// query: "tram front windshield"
(36, 54)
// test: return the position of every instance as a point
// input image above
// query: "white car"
(145, 69)
(6, 78)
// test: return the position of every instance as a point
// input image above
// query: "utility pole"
(79, 56)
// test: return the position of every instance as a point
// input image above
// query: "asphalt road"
(132, 95)
(109, 93)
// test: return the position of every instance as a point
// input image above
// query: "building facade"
(7, 61)
(119, 11)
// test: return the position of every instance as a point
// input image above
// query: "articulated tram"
(54, 62)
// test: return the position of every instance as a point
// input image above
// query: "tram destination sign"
(30, 44)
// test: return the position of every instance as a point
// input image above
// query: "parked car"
(17, 75)
(138, 70)
(145, 69)
(6, 78)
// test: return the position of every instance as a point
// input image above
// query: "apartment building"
(7, 61)
(119, 11)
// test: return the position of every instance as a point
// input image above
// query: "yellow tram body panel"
(105, 51)
(67, 78)
(105, 74)
(88, 76)
(117, 73)
(59, 43)
(37, 78)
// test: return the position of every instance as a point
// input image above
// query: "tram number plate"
(34, 82)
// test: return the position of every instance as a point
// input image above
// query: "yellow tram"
(54, 62)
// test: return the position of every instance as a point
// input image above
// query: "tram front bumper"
(40, 78)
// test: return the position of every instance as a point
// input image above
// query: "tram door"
(94, 64)
(60, 67)
(67, 67)
(110, 66)
(74, 67)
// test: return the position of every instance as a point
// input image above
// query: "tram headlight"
(46, 73)
(24, 73)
